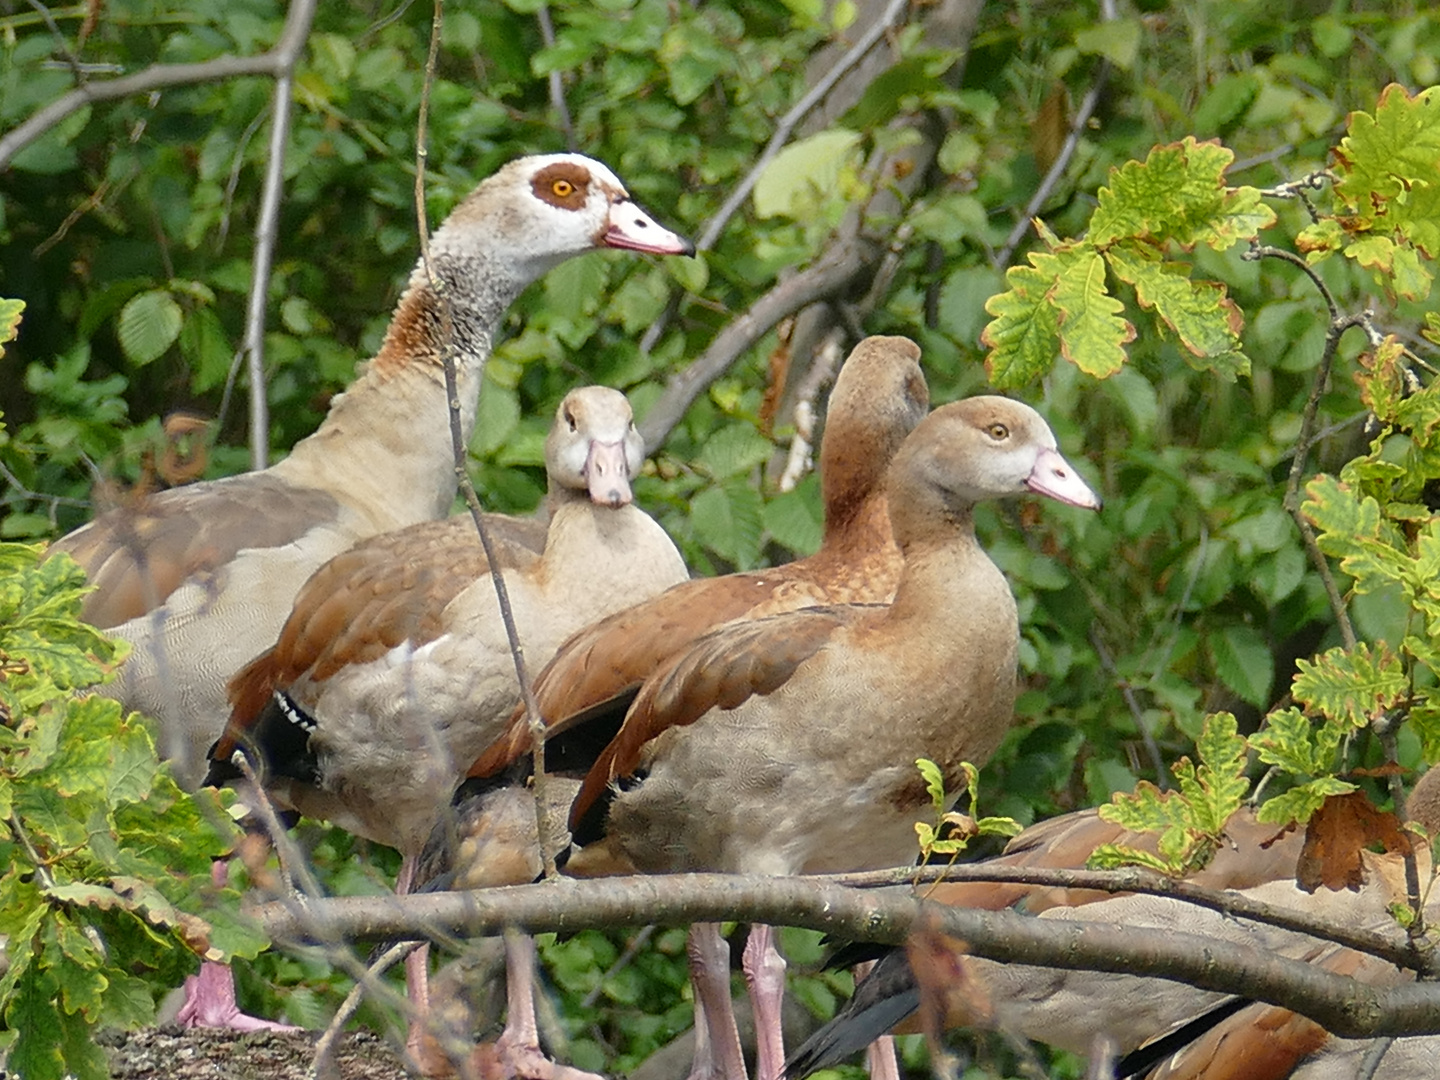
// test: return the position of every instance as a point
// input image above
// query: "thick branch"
(276, 62)
(1340, 1004)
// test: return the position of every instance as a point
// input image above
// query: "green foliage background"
(1174, 370)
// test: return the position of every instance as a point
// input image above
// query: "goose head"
(980, 448)
(593, 446)
(536, 212)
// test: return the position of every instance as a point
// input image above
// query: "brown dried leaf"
(1344, 827)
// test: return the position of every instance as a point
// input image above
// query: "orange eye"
(563, 189)
(998, 432)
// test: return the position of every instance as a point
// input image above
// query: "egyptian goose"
(878, 398)
(394, 669)
(787, 744)
(200, 579)
(1070, 1008)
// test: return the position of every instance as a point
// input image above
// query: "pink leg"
(880, 1060)
(210, 995)
(717, 1040)
(765, 974)
(517, 1051)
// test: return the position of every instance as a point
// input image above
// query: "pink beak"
(634, 230)
(607, 475)
(1055, 477)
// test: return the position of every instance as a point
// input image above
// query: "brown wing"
(609, 659)
(385, 591)
(1266, 1042)
(1252, 855)
(719, 671)
(137, 556)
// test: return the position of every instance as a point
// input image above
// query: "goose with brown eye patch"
(199, 579)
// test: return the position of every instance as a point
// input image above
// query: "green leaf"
(1355, 687)
(794, 519)
(1118, 40)
(802, 172)
(1299, 803)
(1024, 335)
(934, 783)
(1350, 527)
(1093, 335)
(10, 313)
(1244, 663)
(1207, 322)
(1178, 194)
(727, 519)
(1384, 154)
(149, 324)
(734, 450)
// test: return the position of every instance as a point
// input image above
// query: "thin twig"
(287, 55)
(1107, 663)
(1374, 1054)
(543, 820)
(787, 124)
(1306, 439)
(555, 80)
(159, 77)
(1057, 169)
(1384, 729)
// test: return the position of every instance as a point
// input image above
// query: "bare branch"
(287, 55)
(1340, 1004)
(556, 80)
(836, 267)
(716, 225)
(275, 63)
(1306, 439)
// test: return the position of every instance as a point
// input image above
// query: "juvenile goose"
(787, 744)
(200, 579)
(878, 398)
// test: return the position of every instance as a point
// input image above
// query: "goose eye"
(563, 189)
(998, 432)
(569, 416)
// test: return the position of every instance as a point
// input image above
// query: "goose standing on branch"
(394, 669)
(787, 744)
(200, 579)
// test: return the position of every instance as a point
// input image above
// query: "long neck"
(385, 444)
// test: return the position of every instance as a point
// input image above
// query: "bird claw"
(210, 1002)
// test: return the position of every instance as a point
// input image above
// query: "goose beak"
(633, 229)
(1056, 478)
(607, 476)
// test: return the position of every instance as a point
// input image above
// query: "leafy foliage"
(952, 831)
(102, 850)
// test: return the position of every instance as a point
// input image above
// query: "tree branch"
(1340, 1004)
(276, 62)
(836, 267)
(287, 55)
